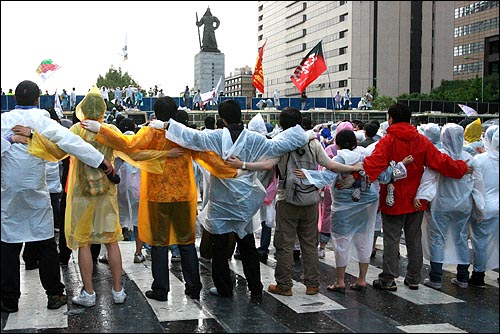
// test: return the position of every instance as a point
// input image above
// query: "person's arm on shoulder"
(444, 164)
(192, 139)
(67, 141)
(266, 164)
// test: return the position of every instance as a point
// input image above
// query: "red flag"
(310, 68)
(258, 73)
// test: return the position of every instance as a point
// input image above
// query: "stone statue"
(210, 23)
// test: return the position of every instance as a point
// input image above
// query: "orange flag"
(258, 73)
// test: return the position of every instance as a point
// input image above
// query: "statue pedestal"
(208, 68)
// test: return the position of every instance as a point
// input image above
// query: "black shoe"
(296, 254)
(374, 253)
(192, 294)
(256, 299)
(152, 294)
(412, 286)
(385, 285)
(263, 257)
(9, 308)
(31, 266)
(477, 280)
(56, 301)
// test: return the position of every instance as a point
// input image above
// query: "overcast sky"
(87, 37)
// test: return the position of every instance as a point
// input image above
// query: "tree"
(115, 78)
(461, 90)
(383, 102)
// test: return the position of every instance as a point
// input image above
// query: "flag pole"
(331, 95)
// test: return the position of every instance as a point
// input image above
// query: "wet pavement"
(451, 310)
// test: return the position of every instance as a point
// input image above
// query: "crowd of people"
(313, 184)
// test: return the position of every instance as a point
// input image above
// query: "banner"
(468, 110)
(125, 50)
(310, 68)
(46, 68)
(258, 73)
(57, 106)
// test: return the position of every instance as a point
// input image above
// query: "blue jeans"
(436, 273)
(265, 238)
(189, 265)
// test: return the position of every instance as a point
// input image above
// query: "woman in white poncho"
(353, 222)
(450, 213)
(484, 234)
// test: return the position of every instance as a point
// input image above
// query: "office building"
(397, 46)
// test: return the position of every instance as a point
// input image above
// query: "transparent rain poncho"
(484, 234)
(353, 223)
(445, 232)
(26, 210)
(233, 202)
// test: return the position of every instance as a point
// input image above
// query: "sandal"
(357, 287)
(335, 288)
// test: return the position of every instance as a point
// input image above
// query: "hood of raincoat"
(257, 124)
(92, 106)
(403, 131)
(491, 141)
(432, 132)
(473, 131)
(452, 138)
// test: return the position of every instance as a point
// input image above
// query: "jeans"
(436, 273)
(189, 265)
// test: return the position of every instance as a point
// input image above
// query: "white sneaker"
(84, 299)
(321, 253)
(119, 297)
(138, 258)
(456, 282)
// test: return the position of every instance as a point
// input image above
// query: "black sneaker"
(152, 294)
(385, 285)
(56, 301)
(263, 257)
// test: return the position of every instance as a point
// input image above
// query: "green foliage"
(461, 90)
(383, 102)
(115, 78)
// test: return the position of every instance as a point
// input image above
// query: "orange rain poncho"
(168, 201)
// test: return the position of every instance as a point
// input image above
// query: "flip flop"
(335, 288)
(357, 287)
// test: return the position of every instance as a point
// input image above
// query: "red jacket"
(401, 140)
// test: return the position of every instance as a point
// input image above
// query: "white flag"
(468, 110)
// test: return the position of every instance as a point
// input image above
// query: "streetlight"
(482, 75)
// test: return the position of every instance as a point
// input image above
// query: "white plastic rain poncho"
(129, 190)
(484, 234)
(233, 202)
(353, 223)
(450, 210)
(26, 208)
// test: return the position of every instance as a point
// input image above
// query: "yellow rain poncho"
(92, 206)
